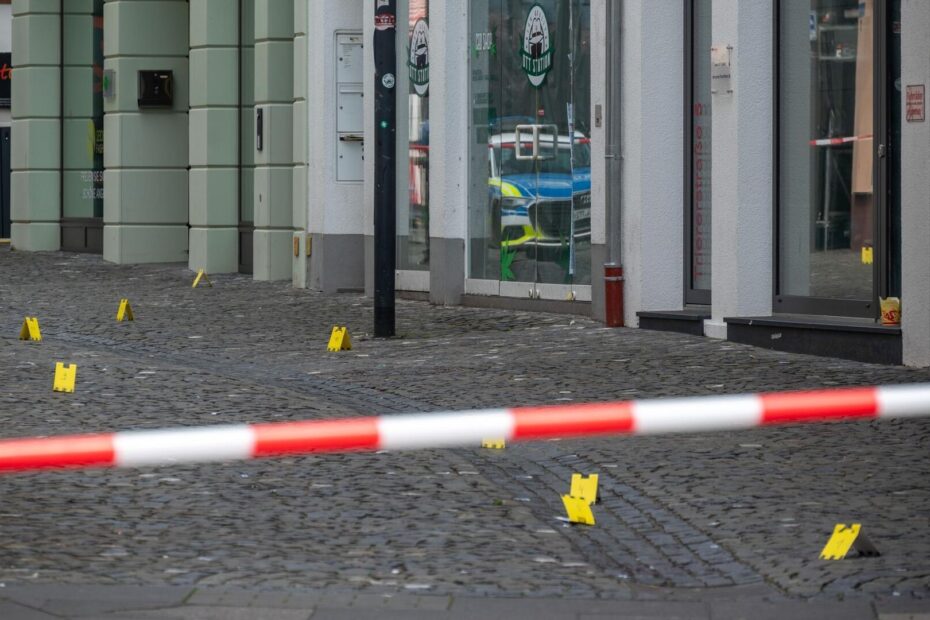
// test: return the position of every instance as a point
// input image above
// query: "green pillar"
(214, 136)
(146, 150)
(274, 95)
(36, 126)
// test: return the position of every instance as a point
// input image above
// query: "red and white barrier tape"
(464, 428)
(839, 141)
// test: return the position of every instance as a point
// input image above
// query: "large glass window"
(530, 152)
(82, 126)
(413, 201)
(827, 175)
(699, 153)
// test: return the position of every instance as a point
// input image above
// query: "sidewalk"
(176, 603)
(688, 525)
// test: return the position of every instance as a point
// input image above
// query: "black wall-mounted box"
(156, 89)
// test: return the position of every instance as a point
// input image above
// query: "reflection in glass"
(701, 147)
(826, 149)
(82, 132)
(413, 211)
(530, 216)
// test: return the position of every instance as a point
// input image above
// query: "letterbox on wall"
(156, 89)
(350, 110)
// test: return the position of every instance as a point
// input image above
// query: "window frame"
(692, 296)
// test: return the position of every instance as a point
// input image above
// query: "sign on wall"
(721, 62)
(6, 78)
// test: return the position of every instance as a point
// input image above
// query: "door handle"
(549, 131)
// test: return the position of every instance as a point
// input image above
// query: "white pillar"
(653, 156)
(915, 189)
(449, 110)
(742, 172)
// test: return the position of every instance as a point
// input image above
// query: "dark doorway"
(4, 182)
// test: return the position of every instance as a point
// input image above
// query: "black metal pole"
(385, 165)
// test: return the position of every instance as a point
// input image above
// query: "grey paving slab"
(683, 517)
(796, 610)
(14, 611)
(193, 612)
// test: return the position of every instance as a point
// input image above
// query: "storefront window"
(82, 132)
(700, 155)
(413, 206)
(530, 152)
(827, 190)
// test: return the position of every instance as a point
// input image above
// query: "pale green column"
(274, 95)
(301, 144)
(145, 150)
(36, 126)
(214, 136)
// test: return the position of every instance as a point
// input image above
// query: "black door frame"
(692, 295)
(5, 153)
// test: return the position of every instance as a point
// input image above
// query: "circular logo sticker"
(388, 80)
(418, 62)
(536, 54)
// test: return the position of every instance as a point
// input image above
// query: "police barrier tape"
(461, 429)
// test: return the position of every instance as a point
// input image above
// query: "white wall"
(915, 190)
(653, 156)
(449, 119)
(742, 171)
(334, 208)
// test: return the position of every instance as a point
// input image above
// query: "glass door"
(530, 228)
(835, 219)
(82, 127)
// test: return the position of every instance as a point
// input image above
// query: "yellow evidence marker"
(584, 487)
(578, 509)
(65, 377)
(125, 311)
(494, 444)
(868, 256)
(339, 340)
(30, 329)
(201, 274)
(846, 538)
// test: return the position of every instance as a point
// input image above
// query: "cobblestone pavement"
(680, 514)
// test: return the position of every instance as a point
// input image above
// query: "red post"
(613, 294)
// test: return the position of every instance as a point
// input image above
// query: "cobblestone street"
(680, 514)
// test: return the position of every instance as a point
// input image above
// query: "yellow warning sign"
(30, 329)
(494, 444)
(584, 487)
(125, 311)
(578, 509)
(202, 275)
(339, 340)
(65, 376)
(846, 538)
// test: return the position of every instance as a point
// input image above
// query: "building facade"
(759, 169)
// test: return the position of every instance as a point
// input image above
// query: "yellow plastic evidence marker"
(201, 274)
(65, 376)
(584, 488)
(125, 311)
(30, 329)
(867, 255)
(578, 509)
(494, 444)
(846, 538)
(339, 340)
